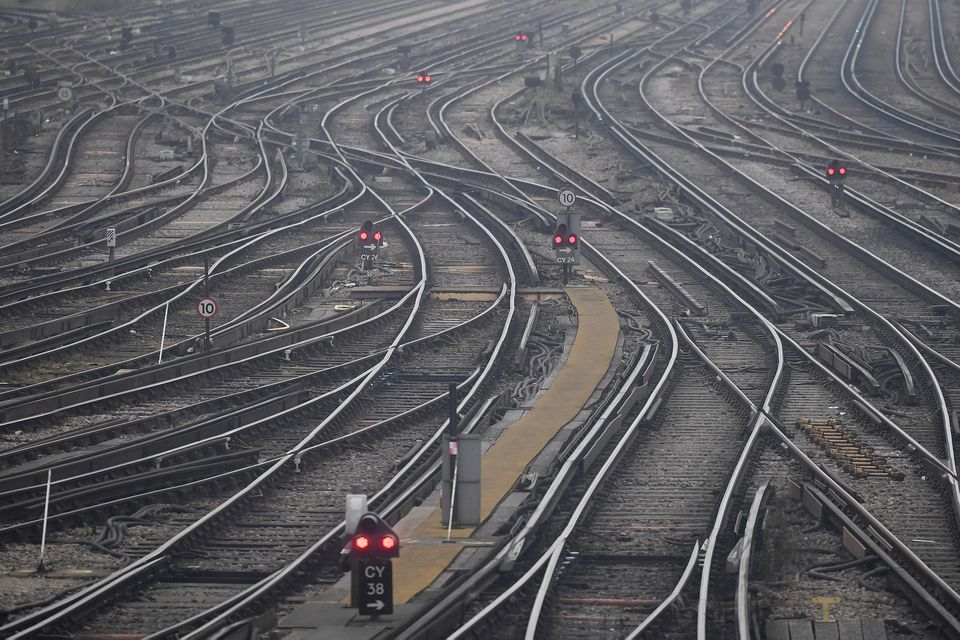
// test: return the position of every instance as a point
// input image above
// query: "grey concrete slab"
(850, 630)
(777, 630)
(826, 630)
(801, 630)
(873, 629)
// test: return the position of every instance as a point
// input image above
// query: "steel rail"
(217, 432)
(694, 192)
(851, 82)
(941, 55)
(249, 597)
(842, 298)
(863, 201)
(572, 464)
(902, 64)
(92, 596)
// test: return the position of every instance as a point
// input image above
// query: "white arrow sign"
(377, 604)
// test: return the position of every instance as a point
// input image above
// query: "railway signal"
(370, 239)
(836, 173)
(373, 538)
(424, 78)
(566, 241)
(523, 39)
(559, 236)
(372, 546)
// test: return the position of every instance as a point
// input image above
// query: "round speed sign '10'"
(567, 197)
(207, 307)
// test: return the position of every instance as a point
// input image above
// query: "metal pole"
(206, 292)
(46, 513)
(163, 332)
(454, 426)
(576, 119)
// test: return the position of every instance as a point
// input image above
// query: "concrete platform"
(427, 561)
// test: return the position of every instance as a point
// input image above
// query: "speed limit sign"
(207, 307)
(567, 197)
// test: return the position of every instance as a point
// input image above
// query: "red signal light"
(420, 78)
(830, 171)
(517, 37)
(843, 171)
(361, 543)
(426, 78)
(558, 240)
(364, 235)
(572, 238)
(378, 235)
(523, 37)
(387, 543)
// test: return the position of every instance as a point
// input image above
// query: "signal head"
(374, 538)
(559, 236)
(366, 231)
(378, 236)
(833, 170)
(572, 239)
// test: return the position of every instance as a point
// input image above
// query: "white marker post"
(163, 332)
(453, 486)
(46, 513)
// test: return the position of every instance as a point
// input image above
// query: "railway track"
(760, 327)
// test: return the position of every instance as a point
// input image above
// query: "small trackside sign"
(376, 588)
(207, 307)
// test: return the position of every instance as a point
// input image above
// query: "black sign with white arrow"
(375, 588)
